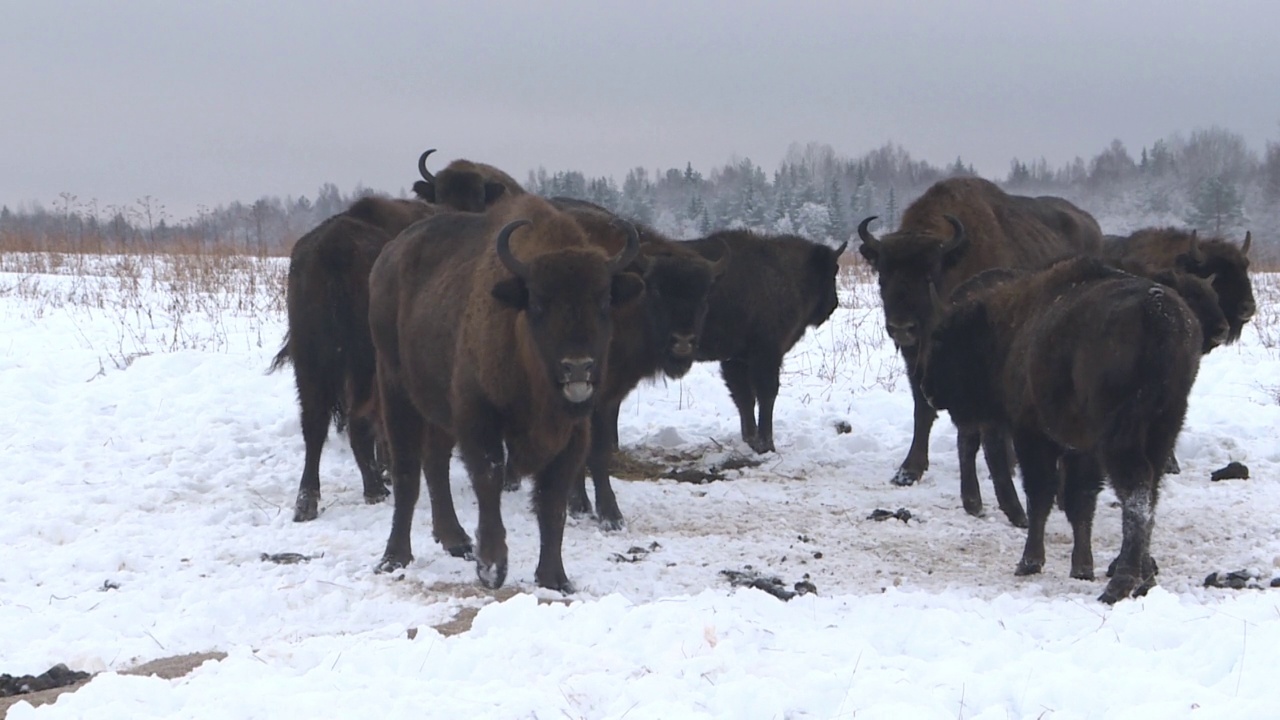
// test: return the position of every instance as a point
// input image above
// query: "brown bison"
(996, 445)
(958, 228)
(1086, 366)
(656, 336)
(483, 346)
(327, 297)
(774, 289)
(328, 340)
(464, 185)
(1223, 262)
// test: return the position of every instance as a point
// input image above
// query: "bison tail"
(281, 357)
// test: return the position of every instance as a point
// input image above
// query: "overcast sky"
(207, 102)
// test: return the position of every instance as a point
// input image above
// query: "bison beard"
(488, 349)
(1086, 366)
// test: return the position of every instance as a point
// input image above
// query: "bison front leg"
(550, 498)
(479, 432)
(599, 459)
(437, 449)
(917, 460)
(968, 440)
(997, 448)
(764, 380)
(1038, 456)
(737, 377)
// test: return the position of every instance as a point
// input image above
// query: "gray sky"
(207, 102)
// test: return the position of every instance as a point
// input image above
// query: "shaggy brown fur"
(485, 347)
(1086, 366)
(328, 340)
(957, 229)
(658, 335)
(775, 288)
(1224, 262)
(464, 185)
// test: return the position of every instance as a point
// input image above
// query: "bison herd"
(512, 327)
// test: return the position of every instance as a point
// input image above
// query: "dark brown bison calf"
(1084, 365)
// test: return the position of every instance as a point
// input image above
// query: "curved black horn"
(629, 252)
(1248, 240)
(516, 267)
(957, 235)
(840, 249)
(422, 166)
(865, 234)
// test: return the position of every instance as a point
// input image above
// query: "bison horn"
(422, 166)
(840, 249)
(722, 263)
(865, 234)
(516, 267)
(1248, 240)
(1193, 247)
(957, 235)
(629, 252)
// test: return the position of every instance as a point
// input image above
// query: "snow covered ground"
(148, 451)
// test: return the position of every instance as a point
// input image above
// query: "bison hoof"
(762, 445)
(560, 583)
(905, 477)
(373, 498)
(307, 507)
(491, 575)
(1082, 573)
(1171, 466)
(1120, 587)
(1029, 567)
(511, 484)
(611, 524)
(461, 550)
(1017, 518)
(973, 506)
(579, 506)
(391, 562)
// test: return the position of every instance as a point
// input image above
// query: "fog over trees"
(1210, 180)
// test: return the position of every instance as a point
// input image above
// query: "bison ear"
(626, 287)
(493, 191)
(512, 292)
(425, 190)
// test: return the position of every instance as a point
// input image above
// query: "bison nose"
(682, 345)
(1247, 309)
(577, 369)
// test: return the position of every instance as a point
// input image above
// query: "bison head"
(824, 266)
(566, 298)
(906, 263)
(1228, 266)
(956, 371)
(1204, 303)
(677, 289)
(460, 188)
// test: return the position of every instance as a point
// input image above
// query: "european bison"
(464, 185)
(997, 445)
(958, 228)
(480, 346)
(658, 335)
(1085, 365)
(1223, 262)
(327, 297)
(774, 289)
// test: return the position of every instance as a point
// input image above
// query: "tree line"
(1210, 180)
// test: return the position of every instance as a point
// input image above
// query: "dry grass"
(158, 301)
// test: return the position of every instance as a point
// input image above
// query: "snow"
(151, 451)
